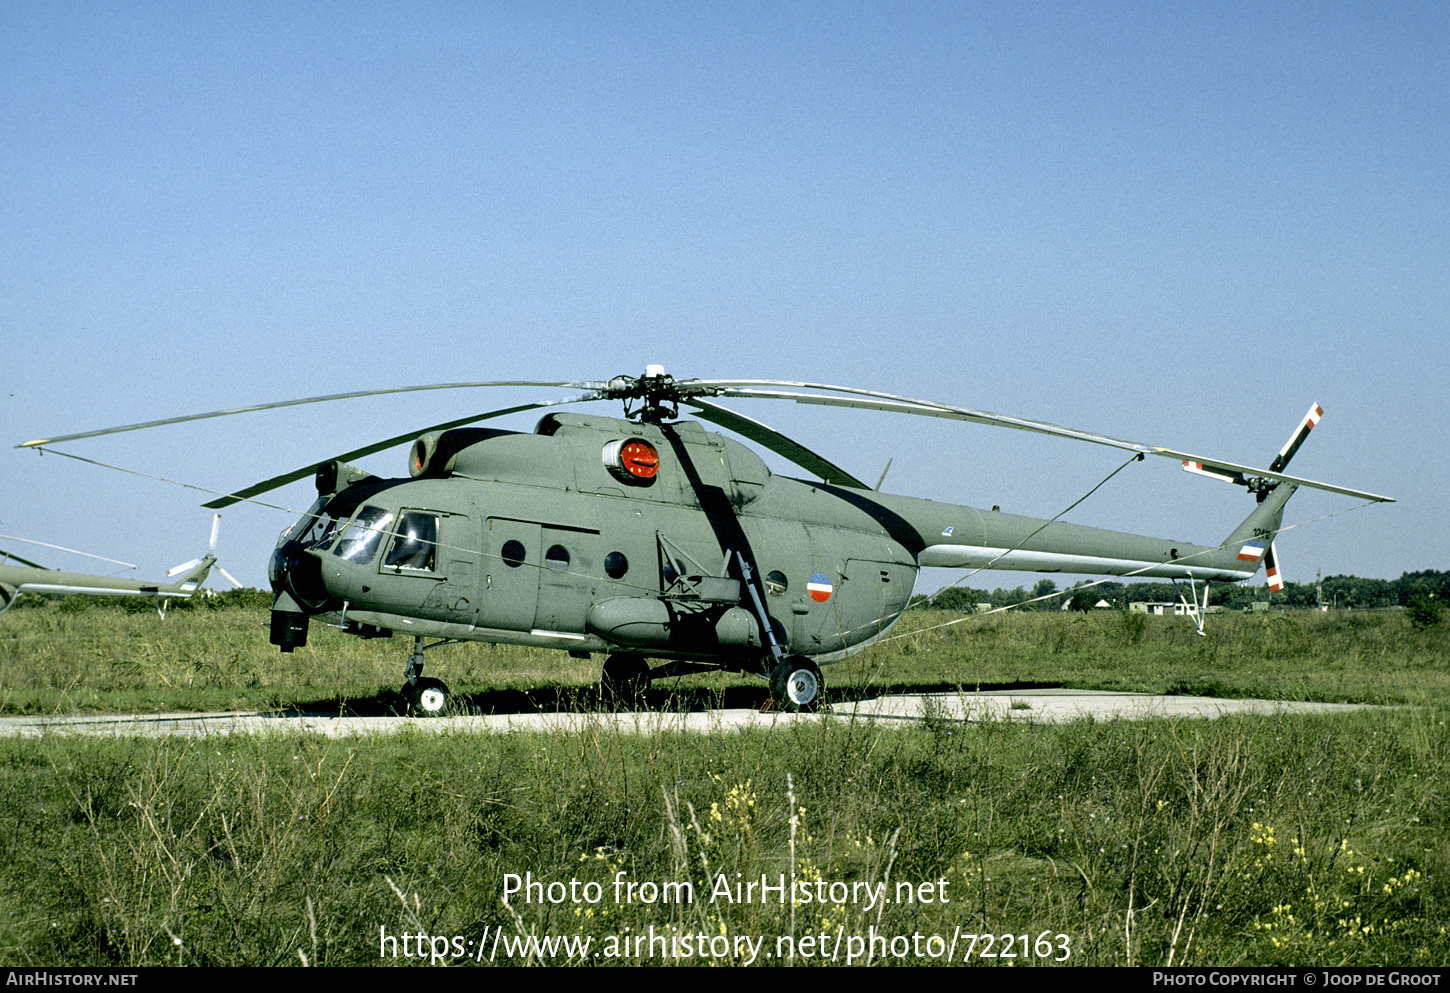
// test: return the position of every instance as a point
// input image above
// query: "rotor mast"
(656, 390)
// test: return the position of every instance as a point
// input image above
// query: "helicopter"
(30, 577)
(648, 538)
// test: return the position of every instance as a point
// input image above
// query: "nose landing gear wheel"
(796, 684)
(429, 697)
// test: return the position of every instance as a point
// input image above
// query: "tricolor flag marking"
(819, 587)
(1253, 550)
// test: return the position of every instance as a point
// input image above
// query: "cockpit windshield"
(315, 530)
(364, 533)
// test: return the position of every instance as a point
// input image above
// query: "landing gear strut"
(426, 697)
(795, 681)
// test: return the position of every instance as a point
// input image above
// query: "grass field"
(1295, 840)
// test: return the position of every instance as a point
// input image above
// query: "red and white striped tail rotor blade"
(1271, 566)
(1214, 472)
(1302, 432)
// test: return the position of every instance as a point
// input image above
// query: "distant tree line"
(1344, 592)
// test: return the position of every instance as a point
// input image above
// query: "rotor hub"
(651, 398)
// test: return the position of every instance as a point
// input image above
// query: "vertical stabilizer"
(1253, 540)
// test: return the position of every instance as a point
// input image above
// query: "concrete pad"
(1026, 706)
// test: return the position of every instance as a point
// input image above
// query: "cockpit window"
(415, 545)
(296, 531)
(362, 536)
(316, 529)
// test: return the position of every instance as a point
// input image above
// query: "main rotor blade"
(776, 442)
(1247, 470)
(927, 408)
(295, 403)
(275, 482)
(869, 400)
(7, 557)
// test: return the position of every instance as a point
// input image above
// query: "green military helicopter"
(650, 538)
(18, 575)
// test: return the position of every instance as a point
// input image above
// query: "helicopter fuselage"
(602, 535)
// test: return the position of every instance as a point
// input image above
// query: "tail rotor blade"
(1302, 432)
(1248, 476)
(1271, 566)
(1214, 472)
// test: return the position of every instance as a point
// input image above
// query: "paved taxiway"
(1050, 705)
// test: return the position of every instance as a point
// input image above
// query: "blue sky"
(1174, 223)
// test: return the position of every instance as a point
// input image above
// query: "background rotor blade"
(184, 568)
(776, 442)
(60, 548)
(275, 482)
(299, 402)
(216, 523)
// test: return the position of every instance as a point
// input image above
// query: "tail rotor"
(206, 562)
(1261, 487)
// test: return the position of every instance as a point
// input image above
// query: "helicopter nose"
(296, 575)
(289, 620)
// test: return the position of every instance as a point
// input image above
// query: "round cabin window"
(557, 558)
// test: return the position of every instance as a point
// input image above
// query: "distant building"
(1166, 608)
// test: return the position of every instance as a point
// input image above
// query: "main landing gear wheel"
(796, 684)
(624, 679)
(429, 697)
